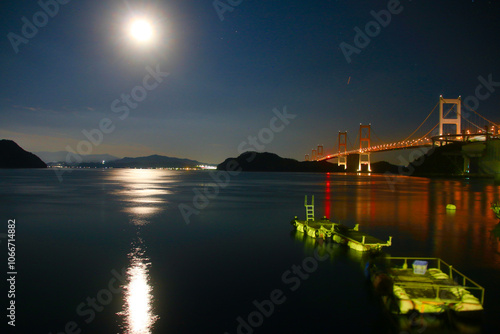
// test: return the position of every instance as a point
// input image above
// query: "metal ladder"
(309, 209)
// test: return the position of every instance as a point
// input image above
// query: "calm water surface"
(108, 251)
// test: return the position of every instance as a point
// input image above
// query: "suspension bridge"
(453, 126)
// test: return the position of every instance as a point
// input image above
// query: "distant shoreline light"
(206, 167)
(199, 167)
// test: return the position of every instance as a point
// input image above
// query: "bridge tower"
(306, 158)
(456, 121)
(314, 155)
(364, 144)
(320, 151)
(342, 160)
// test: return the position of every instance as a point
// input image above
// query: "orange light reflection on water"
(416, 210)
(327, 196)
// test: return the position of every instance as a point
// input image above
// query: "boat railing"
(454, 275)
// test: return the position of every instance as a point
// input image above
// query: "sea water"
(159, 251)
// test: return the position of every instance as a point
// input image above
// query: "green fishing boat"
(423, 289)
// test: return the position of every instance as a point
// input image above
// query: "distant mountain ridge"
(96, 160)
(270, 162)
(13, 156)
(152, 161)
(61, 156)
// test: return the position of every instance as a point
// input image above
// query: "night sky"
(227, 76)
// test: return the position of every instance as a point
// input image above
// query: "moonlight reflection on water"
(138, 309)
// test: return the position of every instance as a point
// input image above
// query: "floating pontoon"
(324, 228)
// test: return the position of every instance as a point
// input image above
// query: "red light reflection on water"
(327, 197)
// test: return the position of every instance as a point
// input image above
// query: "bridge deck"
(375, 149)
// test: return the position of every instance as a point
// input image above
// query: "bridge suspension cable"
(380, 140)
(356, 142)
(423, 140)
(352, 147)
(424, 122)
(475, 112)
(435, 126)
(477, 126)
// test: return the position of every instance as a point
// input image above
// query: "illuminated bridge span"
(453, 126)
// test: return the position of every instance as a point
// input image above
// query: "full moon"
(141, 30)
